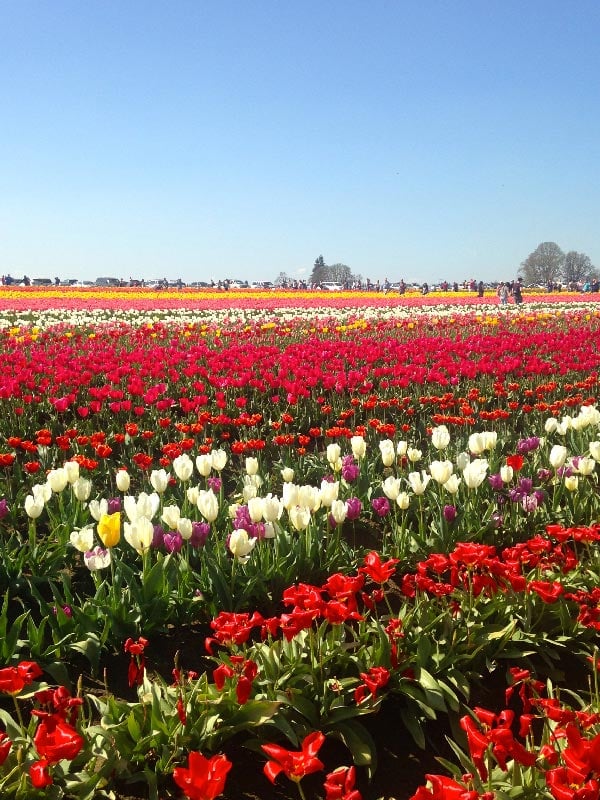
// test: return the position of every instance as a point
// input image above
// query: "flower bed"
(236, 538)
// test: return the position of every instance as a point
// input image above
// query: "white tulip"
(462, 460)
(218, 459)
(241, 545)
(208, 505)
(287, 473)
(359, 447)
(418, 481)
(452, 484)
(339, 511)
(184, 526)
(586, 466)
(334, 452)
(299, 517)
(251, 465)
(440, 437)
(414, 455)
(476, 443)
(272, 508)
(475, 473)
(57, 479)
(72, 470)
(441, 471)
(145, 505)
(289, 495)
(41, 492)
(123, 480)
(558, 456)
(82, 489)
(204, 464)
(170, 516)
(309, 496)
(329, 492)
(388, 453)
(403, 501)
(159, 479)
(571, 483)
(33, 506)
(139, 534)
(595, 450)
(183, 467)
(590, 414)
(83, 539)
(255, 508)
(391, 487)
(192, 494)
(506, 473)
(98, 508)
(490, 439)
(551, 425)
(401, 448)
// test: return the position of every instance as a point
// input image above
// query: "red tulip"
(205, 778)
(294, 764)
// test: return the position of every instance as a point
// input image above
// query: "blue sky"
(416, 140)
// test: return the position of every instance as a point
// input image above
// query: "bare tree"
(578, 268)
(545, 265)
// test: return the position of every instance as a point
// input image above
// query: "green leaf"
(360, 743)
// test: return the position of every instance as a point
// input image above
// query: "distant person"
(517, 294)
(503, 293)
(26, 280)
(480, 289)
(57, 281)
(425, 288)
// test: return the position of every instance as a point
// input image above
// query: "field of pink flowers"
(290, 545)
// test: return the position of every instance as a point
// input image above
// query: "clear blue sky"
(186, 138)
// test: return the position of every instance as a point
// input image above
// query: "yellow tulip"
(109, 529)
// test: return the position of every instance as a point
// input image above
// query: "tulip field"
(305, 545)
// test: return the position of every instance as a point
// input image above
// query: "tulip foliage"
(392, 505)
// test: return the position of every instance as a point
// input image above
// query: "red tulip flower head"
(205, 778)
(294, 764)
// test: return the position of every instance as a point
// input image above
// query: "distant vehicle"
(199, 284)
(108, 282)
(42, 282)
(332, 286)
(235, 284)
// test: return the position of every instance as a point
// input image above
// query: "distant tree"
(578, 268)
(340, 273)
(282, 279)
(319, 272)
(544, 265)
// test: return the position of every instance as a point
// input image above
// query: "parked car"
(108, 282)
(332, 286)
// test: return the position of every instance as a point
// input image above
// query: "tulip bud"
(551, 425)
(208, 505)
(414, 455)
(82, 488)
(391, 487)
(240, 544)
(452, 484)
(185, 528)
(571, 483)
(403, 501)
(334, 452)
(183, 466)
(441, 470)
(123, 480)
(57, 479)
(109, 529)
(300, 517)
(359, 447)
(506, 473)
(204, 464)
(170, 516)
(287, 473)
(401, 448)
(251, 465)
(338, 511)
(256, 508)
(218, 459)
(159, 479)
(440, 437)
(388, 454)
(558, 456)
(72, 470)
(33, 506)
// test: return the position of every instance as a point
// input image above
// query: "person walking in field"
(503, 293)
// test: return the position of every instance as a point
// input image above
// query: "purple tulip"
(381, 506)
(113, 505)
(200, 533)
(3, 508)
(354, 508)
(173, 542)
(450, 513)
